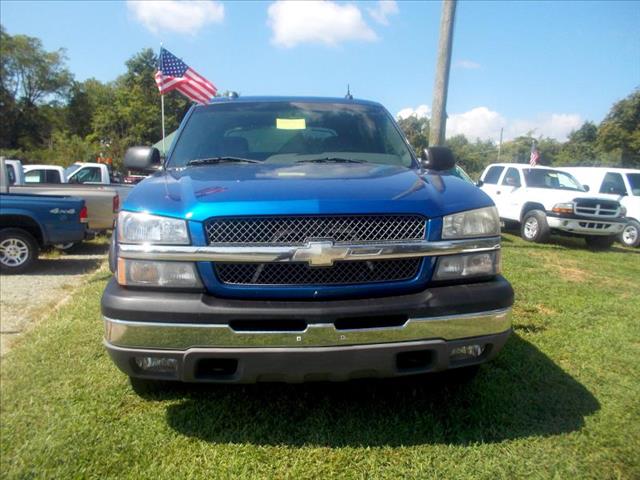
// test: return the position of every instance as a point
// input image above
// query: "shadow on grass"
(520, 394)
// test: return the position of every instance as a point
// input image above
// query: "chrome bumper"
(587, 226)
(176, 336)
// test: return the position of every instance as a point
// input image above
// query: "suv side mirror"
(586, 188)
(141, 158)
(437, 158)
(479, 183)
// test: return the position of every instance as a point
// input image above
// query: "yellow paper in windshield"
(291, 123)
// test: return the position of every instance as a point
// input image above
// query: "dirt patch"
(25, 299)
(568, 269)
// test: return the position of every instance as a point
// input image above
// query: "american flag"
(174, 74)
(535, 155)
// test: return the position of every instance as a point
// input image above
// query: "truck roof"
(266, 99)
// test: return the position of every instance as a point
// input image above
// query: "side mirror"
(141, 158)
(479, 183)
(437, 158)
(586, 188)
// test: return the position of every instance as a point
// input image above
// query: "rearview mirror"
(437, 158)
(586, 188)
(141, 158)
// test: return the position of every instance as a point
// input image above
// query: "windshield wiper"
(218, 160)
(331, 160)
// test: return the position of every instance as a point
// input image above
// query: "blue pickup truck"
(301, 239)
(30, 222)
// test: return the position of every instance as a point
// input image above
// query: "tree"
(620, 130)
(417, 131)
(30, 73)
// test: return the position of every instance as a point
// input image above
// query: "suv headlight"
(145, 228)
(482, 222)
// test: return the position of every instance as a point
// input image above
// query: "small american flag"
(174, 74)
(535, 155)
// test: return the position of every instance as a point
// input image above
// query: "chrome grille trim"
(341, 273)
(267, 254)
(597, 208)
(297, 230)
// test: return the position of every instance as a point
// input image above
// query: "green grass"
(561, 401)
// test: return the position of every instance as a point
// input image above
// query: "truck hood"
(201, 192)
(551, 196)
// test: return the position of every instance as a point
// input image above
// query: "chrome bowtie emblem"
(320, 254)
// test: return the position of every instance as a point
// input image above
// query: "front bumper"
(585, 225)
(297, 341)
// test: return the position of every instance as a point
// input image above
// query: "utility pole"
(441, 84)
(500, 144)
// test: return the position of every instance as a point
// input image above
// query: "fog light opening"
(467, 352)
(156, 364)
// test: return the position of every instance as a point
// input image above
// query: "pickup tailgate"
(99, 201)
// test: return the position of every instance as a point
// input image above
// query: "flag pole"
(164, 150)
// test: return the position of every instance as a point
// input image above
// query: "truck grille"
(594, 207)
(341, 273)
(299, 230)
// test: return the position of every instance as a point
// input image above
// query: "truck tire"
(18, 250)
(600, 242)
(630, 236)
(534, 227)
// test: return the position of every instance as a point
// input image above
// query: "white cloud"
(484, 123)
(421, 111)
(467, 64)
(326, 23)
(382, 10)
(478, 122)
(186, 17)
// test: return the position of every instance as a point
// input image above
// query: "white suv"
(543, 199)
(621, 184)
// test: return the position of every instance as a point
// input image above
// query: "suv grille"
(299, 230)
(341, 273)
(594, 207)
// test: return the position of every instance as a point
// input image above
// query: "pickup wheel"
(535, 227)
(18, 250)
(630, 236)
(599, 242)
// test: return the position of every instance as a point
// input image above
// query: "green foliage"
(417, 132)
(619, 132)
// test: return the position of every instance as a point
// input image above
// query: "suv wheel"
(630, 236)
(535, 227)
(600, 242)
(18, 250)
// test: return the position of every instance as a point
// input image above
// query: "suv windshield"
(547, 178)
(289, 132)
(634, 183)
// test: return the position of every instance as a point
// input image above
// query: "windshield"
(71, 169)
(547, 178)
(289, 132)
(634, 183)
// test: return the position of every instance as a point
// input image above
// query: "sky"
(544, 67)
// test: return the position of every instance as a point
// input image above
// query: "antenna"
(348, 96)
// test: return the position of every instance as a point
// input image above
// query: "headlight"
(623, 211)
(145, 273)
(145, 228)
(453, 267)
(563, 208)
(483, 222)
